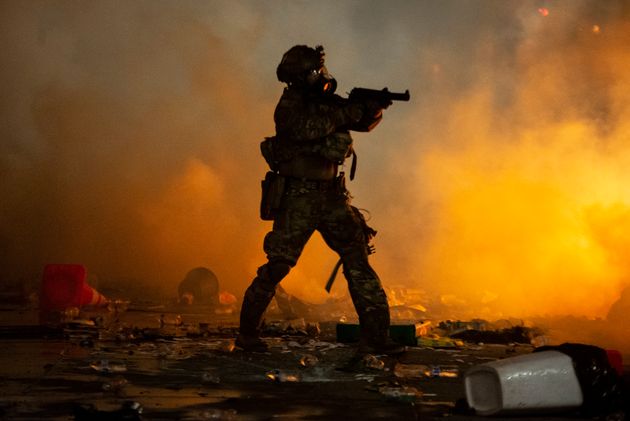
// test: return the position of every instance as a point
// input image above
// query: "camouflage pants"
(327, 209)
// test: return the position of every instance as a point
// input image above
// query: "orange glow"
(531, 217)
(543, 11)
(227, 298)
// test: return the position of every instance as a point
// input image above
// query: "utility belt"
(337, 183)
(275, 185)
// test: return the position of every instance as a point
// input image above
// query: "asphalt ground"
(148, 364)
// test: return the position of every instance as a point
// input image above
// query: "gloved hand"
(373, 108)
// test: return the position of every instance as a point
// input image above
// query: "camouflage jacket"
(307, 124)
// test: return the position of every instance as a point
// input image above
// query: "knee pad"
(273, 272)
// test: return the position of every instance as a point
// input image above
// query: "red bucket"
(64, 286)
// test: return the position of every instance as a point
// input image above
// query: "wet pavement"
(148, 363)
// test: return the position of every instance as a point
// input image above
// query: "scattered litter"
(115, 385)
(130, 411)
(227, 345)
(363, 376)
(104, 366)
(436, 403)
(371, 361)
(308, 360)
(402, 393)
(313, 329)
(211, 414)
(117, 306)
(420, 370)
(410, 370)
(296, 327)
(434, 341)
(281, 376)
(438, 371)
(170, 320)
(210, 378)
(69, 314)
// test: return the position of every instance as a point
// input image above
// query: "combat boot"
(375, 335)
(387, 347)
(251, 343)
(255, 302)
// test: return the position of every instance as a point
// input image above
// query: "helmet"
(304, 66)
(299, 60)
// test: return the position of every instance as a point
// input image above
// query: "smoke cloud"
(130, 137)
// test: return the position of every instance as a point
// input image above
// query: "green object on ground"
(405, 334)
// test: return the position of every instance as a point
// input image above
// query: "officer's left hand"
(373, 108)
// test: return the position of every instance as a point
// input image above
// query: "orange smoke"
(499, 190)
(530, 201)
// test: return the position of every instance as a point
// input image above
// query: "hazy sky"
(130, 138)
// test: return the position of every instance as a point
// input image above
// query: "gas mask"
(320, 81)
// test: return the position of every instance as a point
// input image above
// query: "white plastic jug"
(537, 382)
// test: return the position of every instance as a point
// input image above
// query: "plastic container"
(538, 382)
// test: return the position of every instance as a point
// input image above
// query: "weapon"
(333, 275)
(383, 96)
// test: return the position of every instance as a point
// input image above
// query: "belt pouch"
(272, 191)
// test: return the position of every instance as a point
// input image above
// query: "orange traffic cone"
(64, 286)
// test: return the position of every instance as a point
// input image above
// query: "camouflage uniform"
(312, 140)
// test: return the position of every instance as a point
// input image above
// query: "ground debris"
(130, 411)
